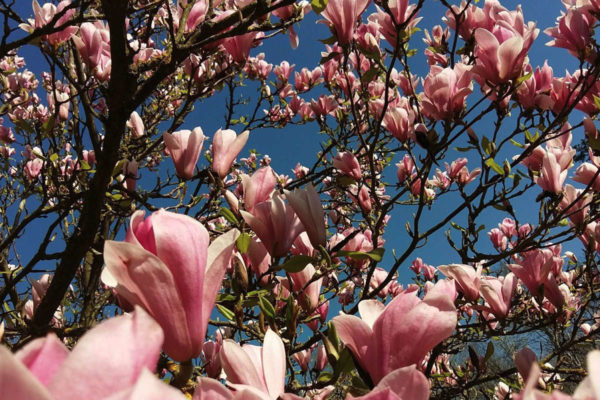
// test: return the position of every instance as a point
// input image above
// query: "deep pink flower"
(307, 205)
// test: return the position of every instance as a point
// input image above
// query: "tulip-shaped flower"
(498, 294)
(399, 334)
(225, 147)
(466, 277)
(258, 187)
(262, 368)
(185, 147)
(310, 293)
(552, 177)
(113, 360)
(341, 15)
(166, 266)
(307, 205)
(275, 223)
(347, 164)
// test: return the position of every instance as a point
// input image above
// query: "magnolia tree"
(141, 258)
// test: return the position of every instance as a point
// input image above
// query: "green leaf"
(297, 263)
(489, 352)
(524, 78)
(494, 165)
(266, 307)
(318, 5)
(54, 157)
(464, 149)
(242, 242)
(227, 313)
(486, 145)
(519, 145)
(228, 215)
(375, 255)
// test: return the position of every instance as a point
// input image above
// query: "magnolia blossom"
(174, 277)
(466, 277)
(185, 147)
(225, 148)
(341, 16)
(399, 334)
(307, 205)
(275, 223)
(445, 91)
(114, 360)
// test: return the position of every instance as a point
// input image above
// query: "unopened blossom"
(184, 147)
(347, 164)
(226, 146)
(136, 125)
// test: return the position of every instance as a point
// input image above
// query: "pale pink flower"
(184, 147)
(225, 147)
(341, 16)
(399, 334)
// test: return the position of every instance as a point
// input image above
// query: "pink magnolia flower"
(535, 91)
(498, 293)
(552, 177)
(467, 279)
(588, 174)
(302, 357)
(174, 277)
(537, 269)
(258, 187)
(573, 32)
(113, 360)
(347, 164)
(445, 91)
(33, 168)
(136, 125)
(185, 147)
(45, 14)
(399, 334)
(93, 43)
(401, 384)
(307, 205)
(502, 51)
(262, 368)
(275, 223)
(309, 293)
(576, 211)
(401, 11)
(6, 134)
(405, 168)
(225, 147)
(400, 120)
(239, 46)
(341, 16)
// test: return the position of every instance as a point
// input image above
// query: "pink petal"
(141, 273)
(16, 382)
(185, 254)
(370, 310)
(238, 366)
(109, 358)
(148, 387)
(211, 389)
(43, 357)
(274, 363)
